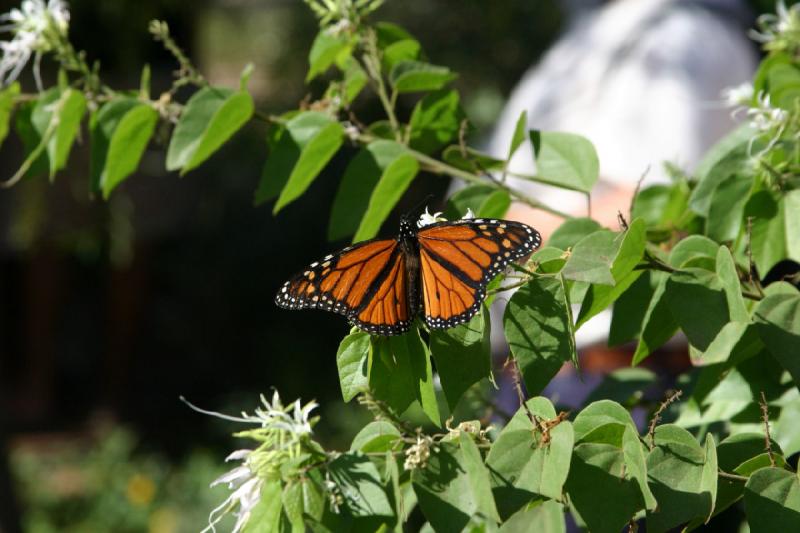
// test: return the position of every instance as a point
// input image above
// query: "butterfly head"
(406, 227)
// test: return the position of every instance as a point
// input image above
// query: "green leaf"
(539, 331)
(607, 258)
(691, 248)
(410, 347)
(483, 200)
(777, 319)
(636, 465)
(566, 160)
(678, 468)
(542, 517)
(726, 271)
(328, 47)
(729, 156)
(376, 437)
(355, 79)
(591, 259)
(784, 85)
(478, 476)
(402, 50)
(390, 378)
(416, 76)
(522, 465)
(629, 253)
(266, 515)
(435, 121)
(362, 174)
(448, 496)
(720, 349)
(519, 134)
(68, 113)
(571, 231)
(394, 181)
(549, 260)
(704, 318)
(495, 206)
(658, 326)
(630, 309)
(313, 498)
(471, 160)
(462, 355)
(56, 117)
(7, 96)
(292, 500)
(352, 359)
(598, 489)
(102, 126)
(772, 501)
(726, 210)
(128, 143)
(603, 422)
(211, 117)
(322, 145)
(733, 452)
(599, 297)
(360, 485)
(661, 204)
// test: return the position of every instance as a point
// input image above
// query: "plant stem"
(438, 167)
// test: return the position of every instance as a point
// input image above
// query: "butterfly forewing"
(458, 260)
(366, 282)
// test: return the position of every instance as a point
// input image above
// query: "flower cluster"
(341, 15)
(282, 435)
(36, 28)
(469, 427)
(417, 454)
(781, 30)
(764, 116)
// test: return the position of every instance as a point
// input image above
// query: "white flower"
(246, 492)
(741, 95)
(764, 117)
(282, 431)
(468, 215)
(426, 219)
(779, 26)
(37, 28)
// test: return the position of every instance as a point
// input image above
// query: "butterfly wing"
(458, 260)
(366, 282)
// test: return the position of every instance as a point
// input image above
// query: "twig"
(371, 62)
(734, 477)
(765, 419)
(621, 220)
(381, 411)
(636, 190)
(515, 376)
(651, 430)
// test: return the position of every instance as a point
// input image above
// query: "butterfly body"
(441, 269)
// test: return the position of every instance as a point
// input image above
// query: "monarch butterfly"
(444, 267)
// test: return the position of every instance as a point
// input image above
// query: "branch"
(651, 430)
(765, 419)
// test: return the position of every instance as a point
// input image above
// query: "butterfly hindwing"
(459, 259)
(366, 282)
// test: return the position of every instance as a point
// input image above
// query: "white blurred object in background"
(642, 80)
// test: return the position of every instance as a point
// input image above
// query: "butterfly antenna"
(418, 207)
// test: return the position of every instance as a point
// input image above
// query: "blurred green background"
(110, 311)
